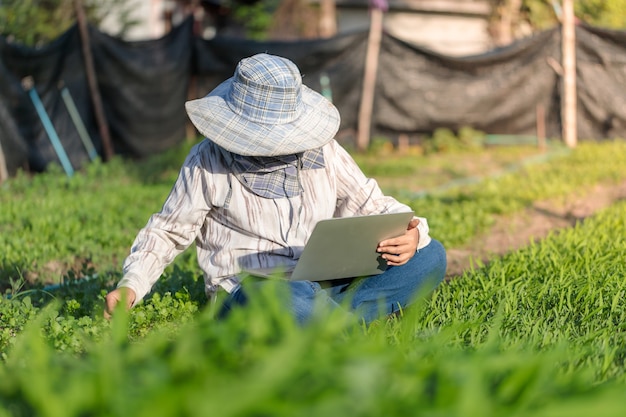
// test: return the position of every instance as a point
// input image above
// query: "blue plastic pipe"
(326, 90)
(52, 134)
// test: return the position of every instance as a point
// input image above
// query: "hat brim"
(316, 125)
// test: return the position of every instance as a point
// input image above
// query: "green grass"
(538, 332)
(52, 227)
(414, 171)
(459, 213)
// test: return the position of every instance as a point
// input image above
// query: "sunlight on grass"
(538, 332)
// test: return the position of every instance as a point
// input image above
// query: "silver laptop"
(342, 247)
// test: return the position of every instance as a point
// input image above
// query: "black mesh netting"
(143, 87)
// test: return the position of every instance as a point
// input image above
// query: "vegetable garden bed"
(538, 331)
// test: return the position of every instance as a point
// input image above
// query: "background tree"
(513, 19)
(276, 19)
(606, 13)
(37, 22)
(255, 17)
(295, 19)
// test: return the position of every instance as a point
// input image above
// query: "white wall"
(150, 15)
(449, 35)
(450, 27)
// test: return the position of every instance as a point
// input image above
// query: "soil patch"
(510, 233)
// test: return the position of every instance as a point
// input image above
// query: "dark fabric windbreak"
(601, 83)
(420, 91)
(144, 88)
(339, 59)
(56, 63)
(144, 85)
(12, 144)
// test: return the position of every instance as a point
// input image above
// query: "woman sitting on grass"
(250, 194)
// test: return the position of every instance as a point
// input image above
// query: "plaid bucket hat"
(265, 110)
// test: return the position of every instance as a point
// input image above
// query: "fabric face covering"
(274, 176)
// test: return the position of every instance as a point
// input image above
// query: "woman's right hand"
(114, 297)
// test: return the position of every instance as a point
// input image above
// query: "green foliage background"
(604, 13)
(36, 22)
(544, 14)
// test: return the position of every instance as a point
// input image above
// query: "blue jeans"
(368, 298)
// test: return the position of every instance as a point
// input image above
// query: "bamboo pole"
(103, 126)
(4, 173)
(369, 79)
(191, 134)
(328, 19)
(541, 127)
(568, 45)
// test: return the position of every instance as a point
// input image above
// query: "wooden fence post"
(4, 173)
(103, 126)
(328, 19)
(568, 46)
(541, 127)
(369, 79)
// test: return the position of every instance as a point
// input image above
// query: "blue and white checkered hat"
(265, 110)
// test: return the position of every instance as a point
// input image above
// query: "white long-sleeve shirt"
(235, 229)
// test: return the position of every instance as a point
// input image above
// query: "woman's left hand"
(398, 250)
